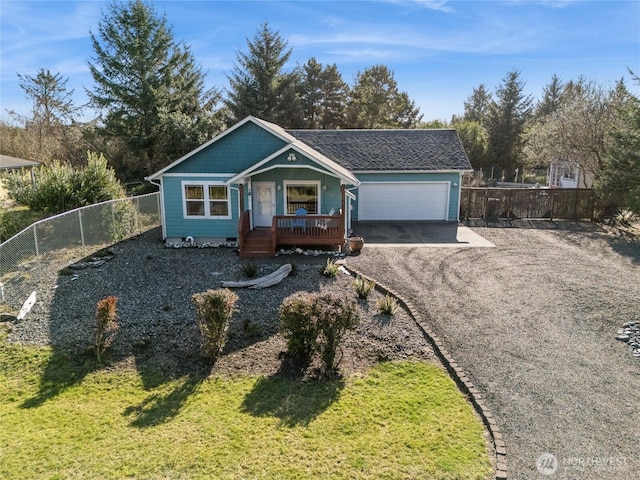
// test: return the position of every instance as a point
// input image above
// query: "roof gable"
(233, 150)
(372, 150)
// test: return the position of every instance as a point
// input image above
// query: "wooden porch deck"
(289, 230)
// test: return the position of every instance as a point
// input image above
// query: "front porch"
(289, 230)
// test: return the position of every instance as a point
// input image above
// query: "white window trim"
(286, 183)
(207, 214)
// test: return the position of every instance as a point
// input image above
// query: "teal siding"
(453, 178)
(177, 226)
(328, 199)
(233, 153)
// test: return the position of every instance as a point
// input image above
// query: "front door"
(264, 203)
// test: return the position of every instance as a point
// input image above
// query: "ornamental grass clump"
(331, 269)
(249, 269)
(213, 312)
(363, 287)
(106, 325)
(387, 305)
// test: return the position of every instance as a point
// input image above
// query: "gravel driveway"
(533, 322)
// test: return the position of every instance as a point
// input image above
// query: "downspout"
(161, 191)
(459, 194)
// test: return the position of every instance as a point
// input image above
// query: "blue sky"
(439, 50)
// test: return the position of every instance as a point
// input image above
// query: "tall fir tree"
(323, 96)
(336, 98)
(258, 85)
(311, 93)
(376, 102)
(508, 116)
(552, 97)
(478, 105)
(150, 88)
(52, 101)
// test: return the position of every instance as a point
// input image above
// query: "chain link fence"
(55, 242)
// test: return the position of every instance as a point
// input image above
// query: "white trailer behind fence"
(55, 242)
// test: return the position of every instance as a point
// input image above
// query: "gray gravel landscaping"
(533, 322)
(154, 285)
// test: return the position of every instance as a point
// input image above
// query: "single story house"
(263, 186)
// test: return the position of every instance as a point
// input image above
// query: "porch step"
(258, 244)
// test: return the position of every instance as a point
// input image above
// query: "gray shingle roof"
(360, 150)
(7, 162)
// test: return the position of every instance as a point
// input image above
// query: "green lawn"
(60, 419)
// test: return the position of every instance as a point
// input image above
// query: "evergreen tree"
(621, 168)
(552, 97)
(477, 106)
(376, 102)
(149, 86)
(336, 97)
(323, 96)
(474, 140)
(257, 84)
(52, 101)
(508, 116)
(311, 93)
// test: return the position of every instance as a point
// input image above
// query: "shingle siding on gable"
(232, 153)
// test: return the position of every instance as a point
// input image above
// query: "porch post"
(344, 209)
(241, 190)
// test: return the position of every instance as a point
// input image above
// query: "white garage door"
(403, 201)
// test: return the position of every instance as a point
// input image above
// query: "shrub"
(298, 324)
(337, 314)
(363, 286)
(331, 269)
(60, 187)
(387, 305)
(8, 224)
(106, 325)
(249, 269)
(315, 323)
(213, 312)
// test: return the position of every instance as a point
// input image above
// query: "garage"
(403, 201)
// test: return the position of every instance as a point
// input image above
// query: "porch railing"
(308, 230)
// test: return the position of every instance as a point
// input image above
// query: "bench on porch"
(289, 230)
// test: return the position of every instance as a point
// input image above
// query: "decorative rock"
(630, 333)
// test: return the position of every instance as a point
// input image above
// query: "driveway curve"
(533, 324)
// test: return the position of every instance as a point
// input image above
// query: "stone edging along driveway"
(456, 372)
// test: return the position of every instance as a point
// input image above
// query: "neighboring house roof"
(10, 163)
(379, 150)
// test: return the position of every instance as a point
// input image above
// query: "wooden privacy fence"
(547, 203)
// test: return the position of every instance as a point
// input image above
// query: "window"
(302, 195)
(206, 200)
